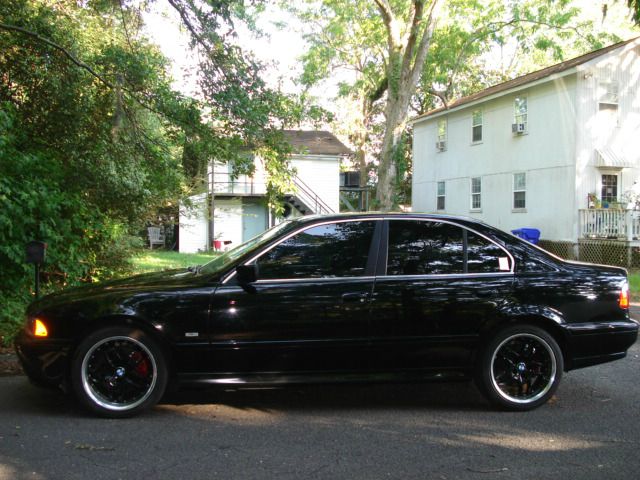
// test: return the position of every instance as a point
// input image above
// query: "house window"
(519, 190)
(476, 193)
(441, 144)
(440, 196)
(608, 103)
(520, 118)
(609, 189)
(608, 95)
(476, 126)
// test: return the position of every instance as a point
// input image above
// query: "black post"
(36, 254)
(37, 265)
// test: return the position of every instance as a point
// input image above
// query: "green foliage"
(634, 5)
(94, 141)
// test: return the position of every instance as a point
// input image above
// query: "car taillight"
(624, 296)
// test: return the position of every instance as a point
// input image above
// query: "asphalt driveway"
(590, 429)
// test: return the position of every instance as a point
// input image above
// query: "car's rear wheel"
(520, 368)
(118, 372)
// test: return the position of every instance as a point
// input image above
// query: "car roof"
(388, 215)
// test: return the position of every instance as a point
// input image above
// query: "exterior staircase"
(306, 201)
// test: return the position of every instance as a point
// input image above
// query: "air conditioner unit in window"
(441, 146)
(518, 127)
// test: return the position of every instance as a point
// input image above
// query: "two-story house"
(233, 210)
(555, 150)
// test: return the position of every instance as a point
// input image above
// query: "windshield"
(219, 263)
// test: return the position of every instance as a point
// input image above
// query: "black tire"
(520, 368)
(118, 372)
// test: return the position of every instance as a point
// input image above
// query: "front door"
(254, 218)
(309, 310)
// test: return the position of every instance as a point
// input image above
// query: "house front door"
(254, 218)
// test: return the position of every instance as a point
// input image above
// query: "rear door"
(439, 284)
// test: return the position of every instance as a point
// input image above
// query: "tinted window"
(332, 250)
(422, 248)
(484, 256)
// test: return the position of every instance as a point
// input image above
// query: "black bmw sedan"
(343, 298)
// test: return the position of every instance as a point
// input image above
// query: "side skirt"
(310, 378)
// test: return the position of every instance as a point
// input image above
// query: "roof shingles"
(315, 142)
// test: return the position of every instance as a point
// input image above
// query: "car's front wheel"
(520, 368)
(118, 372)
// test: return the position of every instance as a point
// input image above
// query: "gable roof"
(528, 78)
(315, 142)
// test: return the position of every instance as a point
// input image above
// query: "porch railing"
(609, 223)
(303, 192)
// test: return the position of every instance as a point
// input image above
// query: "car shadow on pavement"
(26, 398)
(432, 396)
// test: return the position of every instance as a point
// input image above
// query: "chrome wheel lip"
(95, 396)
(550, 382)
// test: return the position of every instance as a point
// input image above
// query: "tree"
(634, 5)
(421, 54)
(336, 41)
(94, 140)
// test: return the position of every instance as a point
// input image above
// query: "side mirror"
(247, 274)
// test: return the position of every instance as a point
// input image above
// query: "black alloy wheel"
(520, 368)
(118, 372)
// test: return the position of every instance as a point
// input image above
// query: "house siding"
(236, 218)
(322, 175)
(193, 227)
(621, 66)
(545, 153)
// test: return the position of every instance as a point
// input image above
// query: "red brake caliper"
(142, 364)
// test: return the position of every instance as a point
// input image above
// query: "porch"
(609, 223)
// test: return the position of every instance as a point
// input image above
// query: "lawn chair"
(156, 236)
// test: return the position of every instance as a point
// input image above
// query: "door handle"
(354, 297)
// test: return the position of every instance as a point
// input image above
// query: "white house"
(542, 150)
(239, 205)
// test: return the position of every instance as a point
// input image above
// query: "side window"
(484, 256)
(441, 196)
(323, 251)
(424, 248)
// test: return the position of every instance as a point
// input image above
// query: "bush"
(36, 203)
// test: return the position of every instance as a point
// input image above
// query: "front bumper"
(45, 361)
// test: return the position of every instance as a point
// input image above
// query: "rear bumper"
(592, 344)
(44, 361)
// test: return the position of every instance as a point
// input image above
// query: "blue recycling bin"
(531, 235)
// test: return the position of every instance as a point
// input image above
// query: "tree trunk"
(407, 56)
(395, 123)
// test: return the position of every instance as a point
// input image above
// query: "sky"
(281, 49)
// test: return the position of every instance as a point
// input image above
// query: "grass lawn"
(154, 260)
(634, 285)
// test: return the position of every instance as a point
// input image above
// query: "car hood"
(123, 286)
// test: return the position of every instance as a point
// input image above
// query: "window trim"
(474, 125)
(611, 173)
(517, 114)
(374, 241)
(514, 191)
(385, 244)
(443, 196)
(444, 137)
(382, 244)
(472, 194)
(603, 98)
